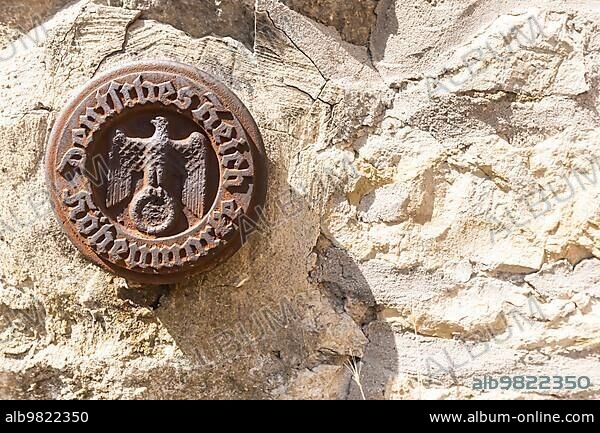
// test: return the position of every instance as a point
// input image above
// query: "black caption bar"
(156, 414)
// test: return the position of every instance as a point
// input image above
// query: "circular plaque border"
(61, 141)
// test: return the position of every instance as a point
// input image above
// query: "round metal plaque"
(150, 168)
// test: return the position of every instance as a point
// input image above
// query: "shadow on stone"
(341, 280)
(354, 20)
(143, 296)
(386, 13)
(264, 326)
(232, 18)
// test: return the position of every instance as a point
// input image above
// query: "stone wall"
(433, 211)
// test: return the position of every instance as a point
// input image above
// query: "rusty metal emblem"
(150, 168)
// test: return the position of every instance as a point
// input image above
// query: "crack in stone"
(296, 46)
(123, 48)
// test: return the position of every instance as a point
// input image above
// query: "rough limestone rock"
(433, 211)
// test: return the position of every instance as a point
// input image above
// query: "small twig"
(419, 377)
(355, 369)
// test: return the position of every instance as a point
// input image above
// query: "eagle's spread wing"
(126, 157)
(193, 151)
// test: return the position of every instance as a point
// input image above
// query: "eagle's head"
(160, 123)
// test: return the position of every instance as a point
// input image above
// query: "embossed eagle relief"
(153, 207)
